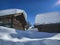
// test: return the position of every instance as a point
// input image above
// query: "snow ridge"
(16, 37)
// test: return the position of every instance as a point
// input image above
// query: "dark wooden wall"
(17, 21)
(49, 27)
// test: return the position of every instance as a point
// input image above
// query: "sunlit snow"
(9, 36)
(47, 18)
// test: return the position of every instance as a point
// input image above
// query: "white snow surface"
(47, 18)
(12, 11)
(9, 36)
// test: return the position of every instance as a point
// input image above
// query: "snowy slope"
(47, 18)
(10, 36)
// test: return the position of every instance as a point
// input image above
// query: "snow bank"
(47, 18)
(17, 37)
(33, 29)
(7, 30)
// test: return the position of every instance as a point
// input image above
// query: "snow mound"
(5, 33)
(47, 18)
(17, 37)
(7, 30)
(33, 29)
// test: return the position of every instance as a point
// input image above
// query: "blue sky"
(32, 7)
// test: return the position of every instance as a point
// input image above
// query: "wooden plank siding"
(16, 21)
(49, 27)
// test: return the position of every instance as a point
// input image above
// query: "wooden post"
(12, 21)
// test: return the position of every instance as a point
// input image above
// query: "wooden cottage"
(13, 18)
(48, 22)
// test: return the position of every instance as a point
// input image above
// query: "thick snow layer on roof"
(47, 18)
(12, 11)
(27, 37)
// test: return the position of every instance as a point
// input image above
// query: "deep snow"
(9, 36)
(47, 18)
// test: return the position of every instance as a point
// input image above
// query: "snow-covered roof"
(12, 11)
(47, 18)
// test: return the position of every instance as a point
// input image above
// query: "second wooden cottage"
(48, 22)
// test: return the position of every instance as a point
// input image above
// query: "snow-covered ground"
(9, 36)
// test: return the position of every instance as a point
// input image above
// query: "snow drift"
(10, 36)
